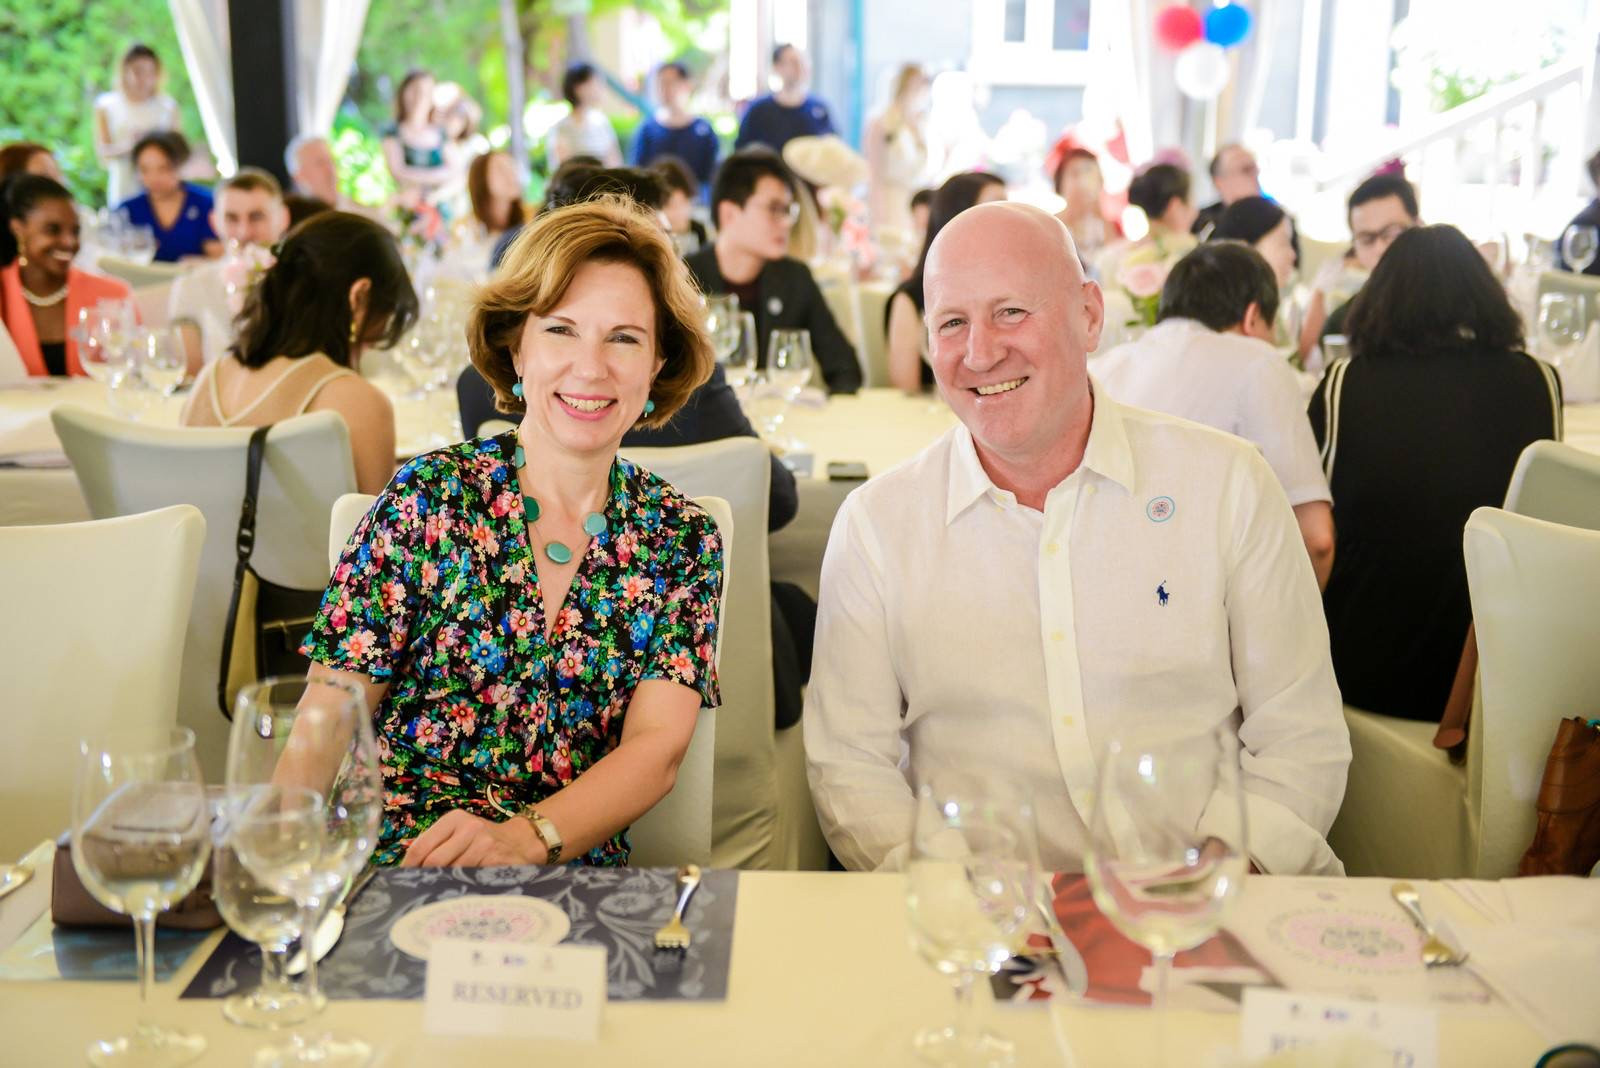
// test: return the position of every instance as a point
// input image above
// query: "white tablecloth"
(822, 974)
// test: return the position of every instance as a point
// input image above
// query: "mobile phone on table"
(847, 471)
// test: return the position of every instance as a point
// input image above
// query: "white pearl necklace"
(49, 300)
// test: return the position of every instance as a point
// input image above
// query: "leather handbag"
(1567, 839)
(71, 904)
(265, 621)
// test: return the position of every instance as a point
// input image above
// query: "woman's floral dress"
(437, 594)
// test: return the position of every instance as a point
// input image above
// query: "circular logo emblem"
(1160, 509)
(774, 306)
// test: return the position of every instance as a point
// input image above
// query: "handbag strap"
(245, 541)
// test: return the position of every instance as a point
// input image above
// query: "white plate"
(481, 918)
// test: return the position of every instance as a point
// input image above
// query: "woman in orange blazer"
(41, 291)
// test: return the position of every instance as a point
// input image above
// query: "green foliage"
(58, 55)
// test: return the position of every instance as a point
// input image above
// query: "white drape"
(202, 27)
(1121, 83)
(328, 35)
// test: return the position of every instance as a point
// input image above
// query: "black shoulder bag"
(265, 621)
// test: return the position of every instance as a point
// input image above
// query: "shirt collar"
(1107, 455)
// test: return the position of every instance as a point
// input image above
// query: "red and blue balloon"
(1202, 70)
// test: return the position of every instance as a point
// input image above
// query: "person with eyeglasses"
(1380, 209)
(754, 202)
(1235, 174)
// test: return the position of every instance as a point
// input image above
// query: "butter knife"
(328, 932)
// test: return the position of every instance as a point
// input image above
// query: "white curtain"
(1122, 83)
(202, 27)
(328, 35)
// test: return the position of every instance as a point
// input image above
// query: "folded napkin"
(1548, 973)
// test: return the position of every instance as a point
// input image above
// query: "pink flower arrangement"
(242, 268)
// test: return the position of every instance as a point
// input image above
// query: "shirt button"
(1053, 548)
(1067, 721)
(1089, 488)
(1057, 636)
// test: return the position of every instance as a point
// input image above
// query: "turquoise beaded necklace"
(594, 524)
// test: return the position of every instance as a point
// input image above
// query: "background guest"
(777, 118)
(1087, 213)
(585, 130)
(673, 131)
(580, 724)
(414, 144)
(1422, 424)
(903, 316)
(495, 190)
(338, 288)
(28, 157)
(1265, 227)
(896, 144)
(41, 292)
(1589, 216)
(688, 233)
(178, 212)
(1161, 191)
(1210, 359)
(1379, 210)
(123, 117)
(921, 208)
(1235, 174)
(250, 217)
(755, 205)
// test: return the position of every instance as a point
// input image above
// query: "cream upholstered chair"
(1407, 809)
(678, 829)
(1534, 587)
(129, 467)
(840, 296)
(136, 274)
(91, 638)
(491, 427)
(763, 816)
(872, 302)
(152, 301)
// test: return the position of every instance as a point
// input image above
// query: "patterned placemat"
(617, 908)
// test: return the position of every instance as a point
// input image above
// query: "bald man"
(1057, 571)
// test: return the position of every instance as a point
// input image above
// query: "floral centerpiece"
(242, 267)
(1143, 271)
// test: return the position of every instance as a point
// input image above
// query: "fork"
(675, 935)
(1435, 953)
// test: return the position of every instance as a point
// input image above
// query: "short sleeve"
(373, 600)
(683, 643)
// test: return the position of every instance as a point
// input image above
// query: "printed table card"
(1275, 1021)
(509, 990)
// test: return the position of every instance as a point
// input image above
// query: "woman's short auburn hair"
(540, 265)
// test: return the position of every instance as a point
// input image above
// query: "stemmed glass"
(312, 733)
(1578, 247)
(1167, 847)
(789, 366)
(163, 362)
(141, 832)
(101, 334)
(972, 882)
(722, 324)
(740, 365)
(1562, 321)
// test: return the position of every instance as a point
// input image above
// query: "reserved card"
(479, 988)
(1276, 1020)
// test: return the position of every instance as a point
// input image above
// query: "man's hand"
(462, 840)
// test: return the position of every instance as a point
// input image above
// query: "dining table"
(823, 972)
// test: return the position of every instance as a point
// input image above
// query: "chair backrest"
(873, 349)
(128, 467)
(91, 638)
(347, 512)
(152, 301)
(1534, 589)
(1556, 483)
(840, 296)
(136, 274)
(745, 831)
(490, 428)
(678, 829)
(11, 368)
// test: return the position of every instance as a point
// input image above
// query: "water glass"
(722, 324)
(1334, 347)
(141, 832)
(314, 733)
(972, 881)
(1563, 318)
(1579, 246)
(740, 366)
(258, 913)
(1167, 848)
(788, 370)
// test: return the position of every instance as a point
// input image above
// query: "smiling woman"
(533, 619)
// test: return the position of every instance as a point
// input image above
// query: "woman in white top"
(897, 151)
(586, 131)
(127, 113)
(338, 287)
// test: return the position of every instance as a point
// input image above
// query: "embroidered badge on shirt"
(1160, 509)
(1162, 595)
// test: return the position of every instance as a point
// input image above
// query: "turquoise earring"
(649, 406)
(516, 391)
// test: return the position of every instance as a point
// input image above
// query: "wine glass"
(259, 913)
(139, 244)
(789, 365)
(315, 733)
(163, 361)
(141, 832)
(1578, 247)
(1562, 320)
(740, 366)
(1167, 849)
(972, 881)
(722, 324)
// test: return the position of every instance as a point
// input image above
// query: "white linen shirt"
(1232, 382)
(960, 629)
(200, 296)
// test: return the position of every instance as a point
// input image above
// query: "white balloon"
(1201, 71)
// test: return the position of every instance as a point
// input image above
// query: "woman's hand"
(462, 840)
